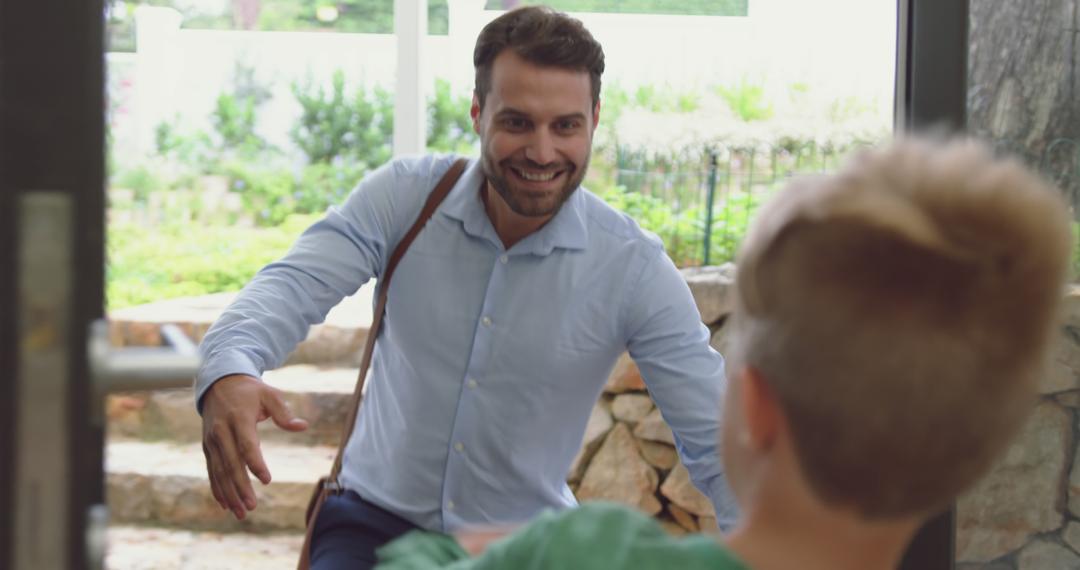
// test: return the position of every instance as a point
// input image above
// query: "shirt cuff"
(723, 499)
(219, 366)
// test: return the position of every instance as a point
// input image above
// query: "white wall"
(836, 47)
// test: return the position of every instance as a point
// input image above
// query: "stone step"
(165, 484)
(152, 548)
(338, 340)
(322, 396)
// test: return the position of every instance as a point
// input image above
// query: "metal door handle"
(139, 368)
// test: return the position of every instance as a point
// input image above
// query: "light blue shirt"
(490, 359)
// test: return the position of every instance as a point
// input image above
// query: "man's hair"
(900, 311)
(541, 36)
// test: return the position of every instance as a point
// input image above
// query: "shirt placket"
(456, 478)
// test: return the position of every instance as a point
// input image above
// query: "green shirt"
(599, 536)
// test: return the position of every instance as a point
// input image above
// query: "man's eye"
(568, 125)
(514, 123)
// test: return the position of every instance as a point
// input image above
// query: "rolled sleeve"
(684, 375)
(329, 261)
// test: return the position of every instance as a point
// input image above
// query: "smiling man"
(503, 321)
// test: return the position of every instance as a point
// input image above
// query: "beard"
(524, 201)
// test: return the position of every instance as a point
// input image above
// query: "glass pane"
(1024, 97)
(234, 123)
(702, 121)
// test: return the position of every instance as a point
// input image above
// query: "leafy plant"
(234, 115)
(210, 260)
(190, 149)
(449, 124)
(332, 124)
(747, 101)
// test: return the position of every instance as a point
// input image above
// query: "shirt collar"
(566, 230)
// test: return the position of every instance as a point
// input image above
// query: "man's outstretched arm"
(273, 314)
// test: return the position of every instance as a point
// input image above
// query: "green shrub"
(190, 150)
(332, 125)
(450, 126)
(267, 194)
(175, 260)
(747, 101)
(234, 120)
(140, 179)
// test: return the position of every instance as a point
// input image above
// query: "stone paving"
(139, 548)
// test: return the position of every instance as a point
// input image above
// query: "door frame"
(931, 95)
(52, 136)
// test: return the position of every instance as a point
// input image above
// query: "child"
(890, 326)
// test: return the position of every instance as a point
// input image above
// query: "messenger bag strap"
(442, 189)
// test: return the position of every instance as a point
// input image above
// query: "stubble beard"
(515, 197)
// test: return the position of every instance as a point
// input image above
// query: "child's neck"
(801, 538)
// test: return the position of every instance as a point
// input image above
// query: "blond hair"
(900, 310)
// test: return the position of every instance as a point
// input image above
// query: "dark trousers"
(349, 529)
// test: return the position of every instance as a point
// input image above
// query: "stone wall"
(628, 454)
(1025, 514)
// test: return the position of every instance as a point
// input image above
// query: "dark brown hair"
(541, 36)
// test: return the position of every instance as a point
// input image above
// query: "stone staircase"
(163, 514)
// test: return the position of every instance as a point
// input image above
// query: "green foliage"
(190, 149)
(234, 115)
(747, 101)
(449, 124)
(140, 179)
(665, 100)
(681, 231)
(731, 220)
(356, 16)
(234, 121)
(689, 7)
(358, 128)
(174, 260)
(322, 185)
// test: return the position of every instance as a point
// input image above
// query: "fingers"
(247, 448)
(215, 487)
(227, 472)
(235, 470)
(280, 413)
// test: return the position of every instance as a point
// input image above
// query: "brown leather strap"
(442, 189)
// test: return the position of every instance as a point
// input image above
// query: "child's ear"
(760, 409)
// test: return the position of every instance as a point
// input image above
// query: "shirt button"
(504, 258)
(471, 383)
(449, 505)
(486, 321)
(459, 446)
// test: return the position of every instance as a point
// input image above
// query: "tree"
(1024, 83)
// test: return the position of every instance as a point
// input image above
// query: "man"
(503, 321)
(890, 326)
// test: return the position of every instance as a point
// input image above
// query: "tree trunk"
(1024, 85)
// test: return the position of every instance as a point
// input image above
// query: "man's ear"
(474, 112)
(761, 410)
(596, 114)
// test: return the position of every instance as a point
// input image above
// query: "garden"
(207, 208)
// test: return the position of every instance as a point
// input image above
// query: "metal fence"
(701, 206)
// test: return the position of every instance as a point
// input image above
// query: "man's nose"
(541, 148)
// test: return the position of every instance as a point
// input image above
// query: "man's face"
(536, 132)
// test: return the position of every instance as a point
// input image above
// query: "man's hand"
(476, 540)
(231, 409)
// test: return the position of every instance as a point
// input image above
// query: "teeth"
(542, 177)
